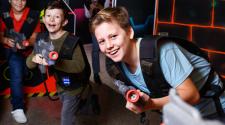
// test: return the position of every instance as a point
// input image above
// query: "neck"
(17, 14)
(56, 35)
(132, 59)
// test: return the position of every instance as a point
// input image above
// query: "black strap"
(30, 23)
(217, 92)
(188, 45)
(7, 19)
(44, 77)
(70, 43)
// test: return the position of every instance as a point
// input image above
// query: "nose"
(19, 1)
(108, 44)
(52, 18)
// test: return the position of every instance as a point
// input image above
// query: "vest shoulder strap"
(30, 23)
(152, 43)
(188, 45)
(68, 47)
(7, 19)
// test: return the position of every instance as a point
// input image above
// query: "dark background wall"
(141, 15)
(202, 22)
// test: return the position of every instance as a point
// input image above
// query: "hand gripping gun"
(131, 94)
(19, 39)
(46, 50)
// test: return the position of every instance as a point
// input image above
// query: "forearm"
(30, 64)
(32, 39)
(156, 103)
(2, 38)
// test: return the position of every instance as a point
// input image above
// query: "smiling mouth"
(113, 52)
(51, 25)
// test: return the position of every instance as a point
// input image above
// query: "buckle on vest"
(30, 20)
(6, 15)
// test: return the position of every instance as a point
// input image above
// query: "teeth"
(113, 52)
(51, 25)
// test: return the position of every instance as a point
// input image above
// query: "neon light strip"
(173, 12)
(193, 25)
(190, 33)
(223, 76)
(213, 51)
(213, 13)
(155, 28)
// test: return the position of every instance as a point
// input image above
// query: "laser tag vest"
(152, 73)
(28, 27)
(70, 81)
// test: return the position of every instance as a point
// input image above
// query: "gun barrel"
(132, 96)
(129, 92)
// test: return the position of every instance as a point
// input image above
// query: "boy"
(182, 70)
(22, 21)
(74, 70)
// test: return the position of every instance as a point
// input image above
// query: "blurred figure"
(24, 22)
(92, 7)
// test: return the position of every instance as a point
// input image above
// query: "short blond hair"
(117, 14)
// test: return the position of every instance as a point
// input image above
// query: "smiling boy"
(71, 70)
(179, 68)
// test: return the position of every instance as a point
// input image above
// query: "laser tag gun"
(19, 39)
(46, 50)
(178, 112)
(131, 94)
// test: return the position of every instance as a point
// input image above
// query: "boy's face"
(18, 5)
(113, 40)
(54, 20)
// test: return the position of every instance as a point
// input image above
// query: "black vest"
(66, 53)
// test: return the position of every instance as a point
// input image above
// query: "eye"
(48, 15)
(57, 17)
(113, 37)
(101, 42)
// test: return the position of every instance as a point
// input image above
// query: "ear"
(131, 32)
(65, 22)
(43, 19)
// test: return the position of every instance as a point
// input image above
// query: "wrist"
(149, 104)
(4, 41)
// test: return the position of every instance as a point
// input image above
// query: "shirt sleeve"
(174, 64)
(2, 26)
